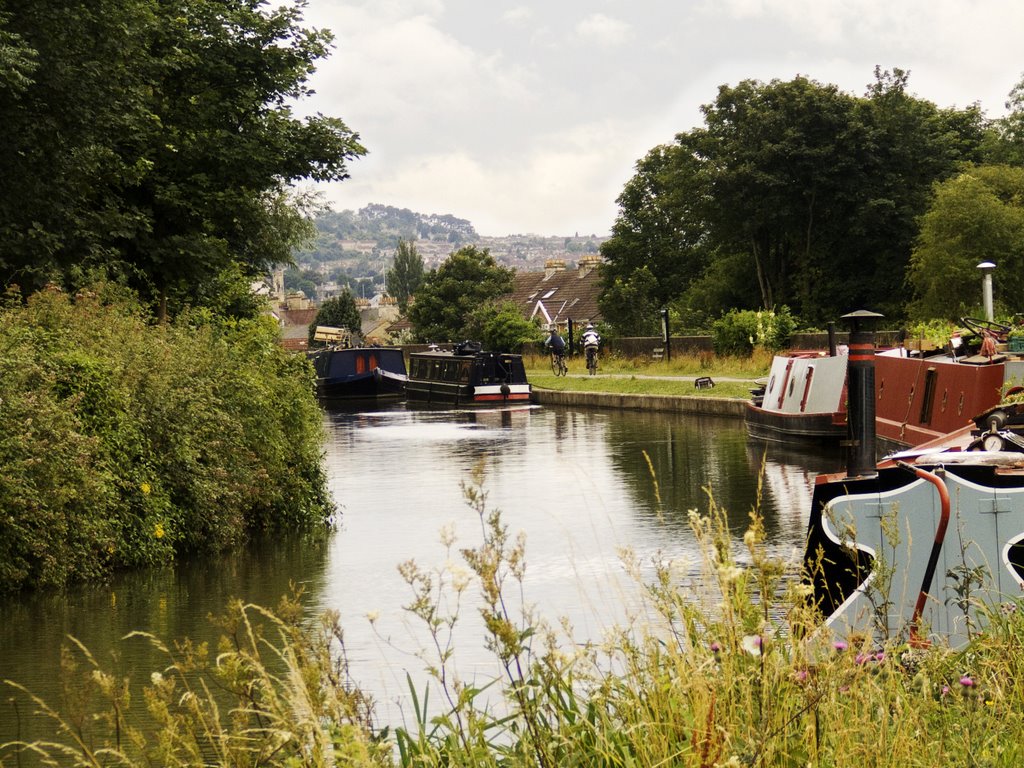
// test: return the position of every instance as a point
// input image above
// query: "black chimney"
(860, 387)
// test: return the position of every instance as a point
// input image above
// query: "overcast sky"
(528, 116)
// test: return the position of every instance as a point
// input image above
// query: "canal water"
(581, 485)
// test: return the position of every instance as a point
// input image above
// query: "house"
(558, 295)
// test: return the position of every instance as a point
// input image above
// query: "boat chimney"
(860, 387)
(832, 349)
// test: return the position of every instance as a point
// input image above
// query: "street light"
(986, 268)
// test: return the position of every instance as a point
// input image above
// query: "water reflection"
(576, 482)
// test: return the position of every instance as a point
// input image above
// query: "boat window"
(928, 399)
(464, 370)
(373, 361)
(360, 364)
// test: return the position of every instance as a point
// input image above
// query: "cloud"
(518, 15)
(604, 30)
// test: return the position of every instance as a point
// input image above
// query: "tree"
(501, 327)
(466, 280)
(808, 193)
(337, 312)
(406, 274)
(1005, 142)
(977, 216)
(655, 249)
(158, 142)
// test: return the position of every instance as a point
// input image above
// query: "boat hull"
(473, 378)
(359, 373)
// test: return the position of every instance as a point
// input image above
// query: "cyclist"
(555, 343)
(591, 341)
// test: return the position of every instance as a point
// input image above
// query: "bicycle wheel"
(561, 364)
(554, 365)
(592, 361)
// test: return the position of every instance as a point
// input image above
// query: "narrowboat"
(466, 375)
(359, 373)
(919, 396)
(924, 545)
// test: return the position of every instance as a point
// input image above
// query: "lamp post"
(986, 268)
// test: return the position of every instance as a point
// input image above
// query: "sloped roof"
(558, 294)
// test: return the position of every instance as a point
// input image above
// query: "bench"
(704, 382)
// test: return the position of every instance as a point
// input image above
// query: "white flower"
(372, 616)
(752, 644)
(156, 678)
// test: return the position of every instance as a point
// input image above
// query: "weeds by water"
(732, 671)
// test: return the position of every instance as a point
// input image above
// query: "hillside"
(357, 247)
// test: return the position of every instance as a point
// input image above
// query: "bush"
(124, 444)
(740, 330)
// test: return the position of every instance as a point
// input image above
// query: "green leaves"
(125, 444)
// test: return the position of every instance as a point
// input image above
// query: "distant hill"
(353, 247)
(386, 225)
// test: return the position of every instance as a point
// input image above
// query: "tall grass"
(731, 671)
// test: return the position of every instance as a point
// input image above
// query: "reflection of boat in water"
(927, 541)
(466, 375)
(359, 373)
(919, 397)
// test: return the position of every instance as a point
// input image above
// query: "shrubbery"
(125, 444)
(740, 330)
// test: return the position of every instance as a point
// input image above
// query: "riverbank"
(717, 406)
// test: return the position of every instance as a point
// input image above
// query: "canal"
(583, 486)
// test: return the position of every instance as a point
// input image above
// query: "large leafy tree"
(406, 274)
(156, 140)
(808, 193)
(467, 279)
(975, 217)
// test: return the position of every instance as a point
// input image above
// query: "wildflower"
(372, 616)
(801, 675)
(715, 646)
(730, 573)
(752, 644)
(156, 678)
(880, 657)
(145, 488)
(966, 681)
(860, 658)
(945, 690)
(158, 530)
(840, 645)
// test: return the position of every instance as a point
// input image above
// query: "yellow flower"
(158, 530)
(144, 487)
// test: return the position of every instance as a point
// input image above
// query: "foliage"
(158, 143)
(466, 280)
(406, 274)
(791, 193)
(976, 216)
(628, 303)
(277, 693)
(502, 327)
(336, 312)
(123, 444)
(735, 332)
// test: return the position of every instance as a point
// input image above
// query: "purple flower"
(715, 646)
(880, 657)
(861, 658)
(945, 690)
(801, 675)
(840, 645)
(966, 681)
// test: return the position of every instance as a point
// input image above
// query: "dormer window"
(549, 294)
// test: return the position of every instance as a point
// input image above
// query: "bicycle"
(558, 366)
(592, 360)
